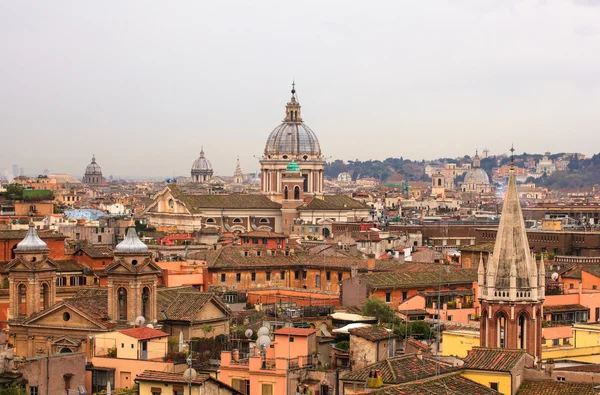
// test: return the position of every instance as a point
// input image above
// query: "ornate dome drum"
(202, 170)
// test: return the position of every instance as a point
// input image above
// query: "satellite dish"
(189, 375)
(140, 320)
(554, 276)
(248, 333)
(150, 326)
(263, 341)
(263, 331)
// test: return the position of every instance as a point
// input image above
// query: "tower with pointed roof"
(31, 277)
(293, 195)
(292, 140)
(238, 176)
(512, 286)
(132, 279)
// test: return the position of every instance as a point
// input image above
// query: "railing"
(268, 363)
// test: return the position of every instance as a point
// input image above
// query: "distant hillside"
(396, 168)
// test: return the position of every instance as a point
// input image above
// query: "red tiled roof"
(551, 387)
(372, 333)
(295, 331)
(487, 358)
(264, 234)
(143, 333)
(593, 368)
(564, 308)
(166, 377)
(449, 384)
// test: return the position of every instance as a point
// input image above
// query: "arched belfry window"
(146, 302)
(122, 303)
(296, 193)
(45, 296)
(501, 327)
(522, 332)
(439, 182)
(22, 300)
(285, 192)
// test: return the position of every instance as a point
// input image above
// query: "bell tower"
(132, 281)
(31, 277)
(293, 194)
(512, 287)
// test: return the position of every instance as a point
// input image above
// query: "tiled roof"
(372, 333)
(565, 308)
(551, 387)
(334, 202)
(480, 247)
(400, 370)
(165, 296)
(187, 305)
(415, 274)
(20, 235)
(416, 344)
(95, 306)
(195, 203)
(143, 333)
(97, 252)
(264, 234)
(166, 377)
(450, 384)
(592, 269)
(591, 368)
(68, 265)
(287, 331)
(573, 272)
(498, 359)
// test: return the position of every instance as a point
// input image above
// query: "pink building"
(276, 370)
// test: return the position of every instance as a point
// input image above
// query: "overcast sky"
(144, 84)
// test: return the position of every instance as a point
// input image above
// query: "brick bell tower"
(512, 287)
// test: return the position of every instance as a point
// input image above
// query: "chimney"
(370, 263)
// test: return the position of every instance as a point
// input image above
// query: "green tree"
(375, 307)
(13, 389)
(14, 192)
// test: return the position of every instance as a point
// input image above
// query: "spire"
(131, 243)
(32, 241)
(512, 157)
(93, 158)
(292, 109)
(202, 151)
(476, 160)
(512, 247)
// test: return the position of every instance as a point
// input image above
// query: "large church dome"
(93, 168)
(477, 176)
(292, 138)
(201, 163)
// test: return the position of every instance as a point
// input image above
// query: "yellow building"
(152, 382)
(497, 368)
(135, 343)
(459, 342)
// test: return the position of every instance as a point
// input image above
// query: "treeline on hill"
(581, 173)
(381, 170)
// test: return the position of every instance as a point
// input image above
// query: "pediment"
(66, 341)
(119, 267)
(21, 264)
(55, 317)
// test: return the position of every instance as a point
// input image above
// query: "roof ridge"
(392, 370)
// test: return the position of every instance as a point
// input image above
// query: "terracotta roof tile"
(593, 367)
(334, 202)
(450, 384)
(195, 203)
(372, 333)
(551, 387)
(400, 370)
(420, 274)
(143, 333)
(68, 265)
(565, 308)
(263, 234)
(166, 377)
(487, 358)
(287, 331)
(20, 235)
(187, 305)
(97, 252)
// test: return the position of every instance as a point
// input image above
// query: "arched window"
(501, 329)
(65, 350)
(264, 221)
(285, 192)
(171, 203)
(522, 332)
(439, 182)
(22, 300)
(210, 220)
(146, 302)
(237, 221)
(296, 193)
(122, 303)
(44, 296)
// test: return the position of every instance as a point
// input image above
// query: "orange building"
(10, 238)
(264, 238)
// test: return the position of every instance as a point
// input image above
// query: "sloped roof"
(143, 333)
(187, 305)
(195, 203)
(550, 387)
(565, 308)
(97, 252)
(372, 333)
(488, 358)
(334, 202)
(415, 274)
(20, 235)
(68, 265)
(166, 296)
(400, 370)
(167, 377)
(287, 331)
(450, 384)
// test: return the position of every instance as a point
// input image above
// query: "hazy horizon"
(144, 84)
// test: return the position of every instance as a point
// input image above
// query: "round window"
(66, 316)
(134, 262)
(285, 156)
(305, 157)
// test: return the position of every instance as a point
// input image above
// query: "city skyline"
(429, 82)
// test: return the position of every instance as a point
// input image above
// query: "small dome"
(477, 175)
(93, 168)
(131, 243)
(32, 241)
(292, 166)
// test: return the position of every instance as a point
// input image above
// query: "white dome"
(93, 168)
(477, 176)
(293, 138)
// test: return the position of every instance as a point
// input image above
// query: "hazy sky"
(144, 84)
